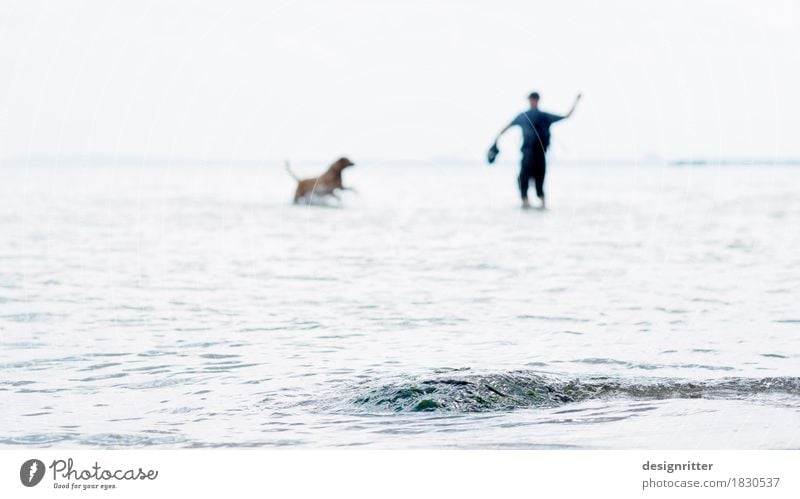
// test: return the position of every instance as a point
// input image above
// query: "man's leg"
(524, 179)
(539, 170)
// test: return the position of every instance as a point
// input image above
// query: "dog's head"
(341, 163)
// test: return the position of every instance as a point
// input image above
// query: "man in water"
(535, 125)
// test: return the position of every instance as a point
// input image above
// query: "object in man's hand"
(491, 155)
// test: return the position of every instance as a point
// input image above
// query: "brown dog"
(324, 185)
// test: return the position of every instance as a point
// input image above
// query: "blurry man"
(535, 125)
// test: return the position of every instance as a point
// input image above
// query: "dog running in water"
(309, 189)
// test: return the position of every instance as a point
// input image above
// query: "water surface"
(193, 306)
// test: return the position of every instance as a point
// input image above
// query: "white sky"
(397, 80)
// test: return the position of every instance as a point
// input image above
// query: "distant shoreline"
(72, 160)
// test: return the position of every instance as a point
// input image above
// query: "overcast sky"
(397, 80)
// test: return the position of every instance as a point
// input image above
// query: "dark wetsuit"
(535, 127)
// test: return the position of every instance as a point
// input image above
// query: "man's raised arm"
(574, 105)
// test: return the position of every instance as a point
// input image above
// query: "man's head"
(533, 98)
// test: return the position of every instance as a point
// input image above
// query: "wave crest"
(519, 389)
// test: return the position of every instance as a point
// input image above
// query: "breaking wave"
(520, 389)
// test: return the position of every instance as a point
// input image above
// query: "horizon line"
(128, 159)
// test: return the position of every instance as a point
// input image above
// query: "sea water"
(191, 305)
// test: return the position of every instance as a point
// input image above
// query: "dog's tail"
(289, 169)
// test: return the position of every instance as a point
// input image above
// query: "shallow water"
(193, 306)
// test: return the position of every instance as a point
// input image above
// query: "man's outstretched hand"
(574, 105)
(491, 154)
